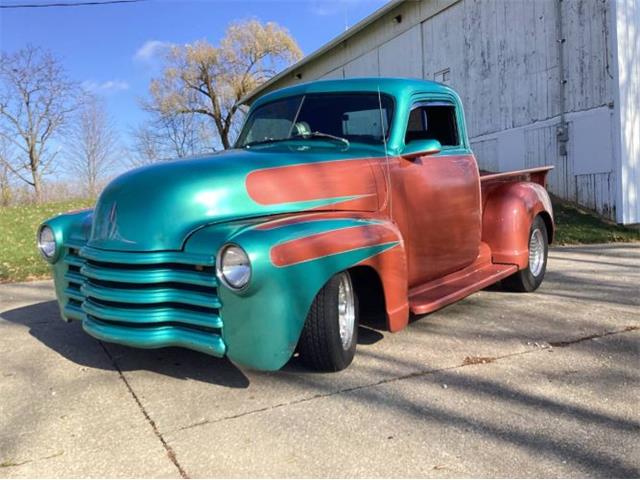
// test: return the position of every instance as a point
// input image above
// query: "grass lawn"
(20, 260)
(19, 256)
(575, 225)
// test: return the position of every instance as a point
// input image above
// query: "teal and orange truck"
(339, 198)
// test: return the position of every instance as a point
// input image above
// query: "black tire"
(320, 345)
(525, 280)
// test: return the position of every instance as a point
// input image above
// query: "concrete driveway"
(500, 384)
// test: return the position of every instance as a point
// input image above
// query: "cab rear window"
(433, 122)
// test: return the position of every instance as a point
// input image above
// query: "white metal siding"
(338, 73)
(401, 56)
(364, 66)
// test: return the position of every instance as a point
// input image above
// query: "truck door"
(436, 198)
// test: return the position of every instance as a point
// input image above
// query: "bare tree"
(207, 80)
(36, 99)
(146, 148)
(5, 173)
(166, 136)
(181, 135)
(92, 143)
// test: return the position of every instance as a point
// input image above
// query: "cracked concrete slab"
(60, 417)
(543, 413)
(389, 414)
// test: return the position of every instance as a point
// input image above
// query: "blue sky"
(112, 49)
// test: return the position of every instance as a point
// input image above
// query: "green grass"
(19, 256)
(575, 225)
(20, 260)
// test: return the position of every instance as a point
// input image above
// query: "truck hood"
(157, 207)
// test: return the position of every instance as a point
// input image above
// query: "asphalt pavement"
(500, 384)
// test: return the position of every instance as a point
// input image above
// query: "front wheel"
(330, 334)
(530, 278)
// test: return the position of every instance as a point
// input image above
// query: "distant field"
(19, 257)
(20, 260)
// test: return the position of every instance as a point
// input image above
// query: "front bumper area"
(144, 300)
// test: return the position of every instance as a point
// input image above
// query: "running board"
(441, 292)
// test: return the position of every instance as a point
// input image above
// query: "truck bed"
(536, 175)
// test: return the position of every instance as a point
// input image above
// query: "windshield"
(355, 117)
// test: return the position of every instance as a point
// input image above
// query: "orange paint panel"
(391, 266)
(330, 243)
(435, 202)
(364, 203)
(294, 219)
(315, 181)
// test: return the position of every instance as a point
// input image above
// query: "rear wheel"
(330, 334)
(530, 278)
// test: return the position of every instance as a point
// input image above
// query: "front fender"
(68, 228)
(292, 259)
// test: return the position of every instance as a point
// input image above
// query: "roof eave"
(361, 25)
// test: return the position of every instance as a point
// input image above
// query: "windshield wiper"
(263, 142)
(301, 135)
(323, 135)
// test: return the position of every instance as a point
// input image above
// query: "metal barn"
(544, 82)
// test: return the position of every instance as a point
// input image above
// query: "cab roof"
(397, 87)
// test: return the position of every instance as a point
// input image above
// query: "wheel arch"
(379, 250)
(509, 211)
(548, 222)
(370, 294)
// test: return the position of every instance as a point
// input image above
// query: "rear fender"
(508, 213)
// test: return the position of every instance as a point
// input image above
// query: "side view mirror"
(419, 148)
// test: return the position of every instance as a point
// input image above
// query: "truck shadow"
(70, 341)
(549, 404)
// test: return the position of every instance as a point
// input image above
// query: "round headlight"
(234, 267)
(47, 242)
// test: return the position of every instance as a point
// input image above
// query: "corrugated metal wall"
(518, 66)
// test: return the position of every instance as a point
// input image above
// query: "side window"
(437, 122)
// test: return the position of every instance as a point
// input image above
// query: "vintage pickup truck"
(340, 198)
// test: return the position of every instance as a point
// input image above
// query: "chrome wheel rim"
(346, 310)
(536, 252)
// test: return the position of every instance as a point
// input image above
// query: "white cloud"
(105, 87)
(150, 50)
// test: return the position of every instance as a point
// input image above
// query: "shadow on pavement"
(70, 341)
(608, 250)
(545, 424)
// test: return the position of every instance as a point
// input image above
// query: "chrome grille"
(172, 296)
